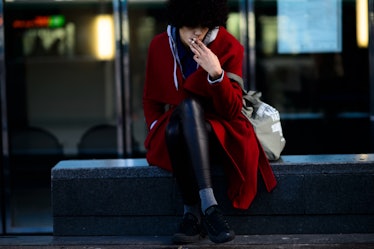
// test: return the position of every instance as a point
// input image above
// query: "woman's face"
(187, 34)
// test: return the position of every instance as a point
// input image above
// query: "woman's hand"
(206, 58)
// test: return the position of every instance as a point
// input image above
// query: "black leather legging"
(187, 137)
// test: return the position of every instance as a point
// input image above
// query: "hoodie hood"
(171, 31)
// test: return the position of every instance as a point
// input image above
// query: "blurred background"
(72, 73)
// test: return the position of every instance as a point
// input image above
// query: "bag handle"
(237, 79)
(252, 97)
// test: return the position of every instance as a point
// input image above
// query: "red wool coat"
(165, 88)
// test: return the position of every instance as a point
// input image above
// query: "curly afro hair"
(194, 13)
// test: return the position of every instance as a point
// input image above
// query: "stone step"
(282, 241)
(315, 194)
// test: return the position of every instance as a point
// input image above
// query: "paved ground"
(302, 241)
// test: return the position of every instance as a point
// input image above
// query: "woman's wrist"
(218, 79)
(216, 75)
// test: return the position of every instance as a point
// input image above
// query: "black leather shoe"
(189, 230)
(217, 226)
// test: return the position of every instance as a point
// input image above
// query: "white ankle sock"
(207, 198)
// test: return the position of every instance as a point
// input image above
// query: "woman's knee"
(187, 111)
(191, 107)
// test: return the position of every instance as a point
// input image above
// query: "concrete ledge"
(315, 194)
(284, 241)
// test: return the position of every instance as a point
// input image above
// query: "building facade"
(72, 72)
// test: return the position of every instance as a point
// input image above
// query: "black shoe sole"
(222, 238)
(180, 238)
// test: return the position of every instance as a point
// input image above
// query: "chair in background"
(99, 141)
(34, 141)
(33, 152)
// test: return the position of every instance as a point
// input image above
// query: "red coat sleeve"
(153, 109)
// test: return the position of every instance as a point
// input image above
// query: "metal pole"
(122, 78)
(252, 84)
(126, 79)
(243, 10)
(5, 174)
(371, 71)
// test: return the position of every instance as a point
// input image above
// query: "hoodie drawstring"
(175, 63)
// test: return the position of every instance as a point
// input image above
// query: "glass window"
(311, 67)
(2, 113)
(60, 97)
(64, 102)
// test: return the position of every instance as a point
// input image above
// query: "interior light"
(104, 37)
(362, 21)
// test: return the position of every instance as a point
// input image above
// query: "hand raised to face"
(205, 58)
